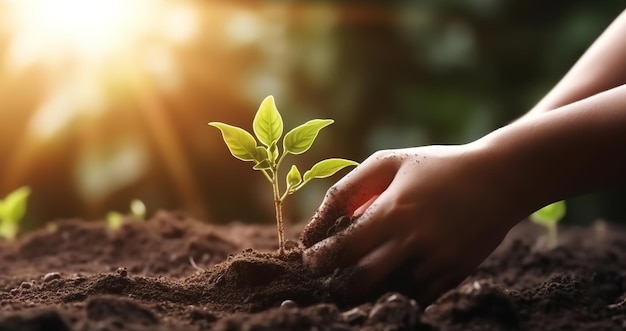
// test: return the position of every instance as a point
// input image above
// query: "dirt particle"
(288, 304)
(26, 285)
(201, 315)
(122, 272)
(291, 244)
(355, 315)
(51, 276)
(394, 308)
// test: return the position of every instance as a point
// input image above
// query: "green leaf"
(300, 139)
(114, 220)
(240, 143)
(550, 214)
(267, 123)
(327, 168)
(261, 154)
(13, 207)
(293, 178)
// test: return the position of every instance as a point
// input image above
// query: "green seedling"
(268, 157)
(114, 220)
(137, 210)
(12, 210)
(548, 217)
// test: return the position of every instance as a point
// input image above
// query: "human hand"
(437, 211)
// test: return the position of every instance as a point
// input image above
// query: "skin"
(443, 209)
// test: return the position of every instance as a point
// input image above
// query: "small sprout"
(138, 209)
(12, 210)
(114, 220)
(548, 217)
(268, 157)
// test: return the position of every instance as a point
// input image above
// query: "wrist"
(518, 176)
(571, 150)
(503, 180)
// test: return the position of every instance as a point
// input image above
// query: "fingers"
(366, 181)
(358, 240)
(382, 262)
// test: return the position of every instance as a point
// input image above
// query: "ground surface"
(82, 276)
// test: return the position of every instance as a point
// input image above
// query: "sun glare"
(89, 30)
(88, 43)
(88, 59)
(92, 27)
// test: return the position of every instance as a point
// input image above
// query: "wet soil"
(83, 276)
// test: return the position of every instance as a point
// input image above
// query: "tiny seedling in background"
(549, 216)
(137, 210)
(12, 210)
(114, 220)
(267, 158)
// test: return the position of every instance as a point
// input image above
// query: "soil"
(83, 276)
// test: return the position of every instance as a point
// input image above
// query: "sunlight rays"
(93, 56)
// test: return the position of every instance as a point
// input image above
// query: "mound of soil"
(175, 273)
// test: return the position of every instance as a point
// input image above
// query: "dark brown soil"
(83, 276)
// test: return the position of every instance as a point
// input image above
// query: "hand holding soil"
(436, 212)
(419, 211)
(432, 214)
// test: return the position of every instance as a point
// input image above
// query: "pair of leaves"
(268, 128)
(115, 219)
(12, 210)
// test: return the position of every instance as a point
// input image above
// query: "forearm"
(602, 67)
(575, 149)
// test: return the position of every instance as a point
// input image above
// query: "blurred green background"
(102, 105)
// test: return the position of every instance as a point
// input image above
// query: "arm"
(578, 148)
(602, 67)
(421, 206)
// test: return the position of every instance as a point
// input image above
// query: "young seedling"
(549, 216)
(137, 210)
(268, 157)
(114, 220)
(12, 210)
